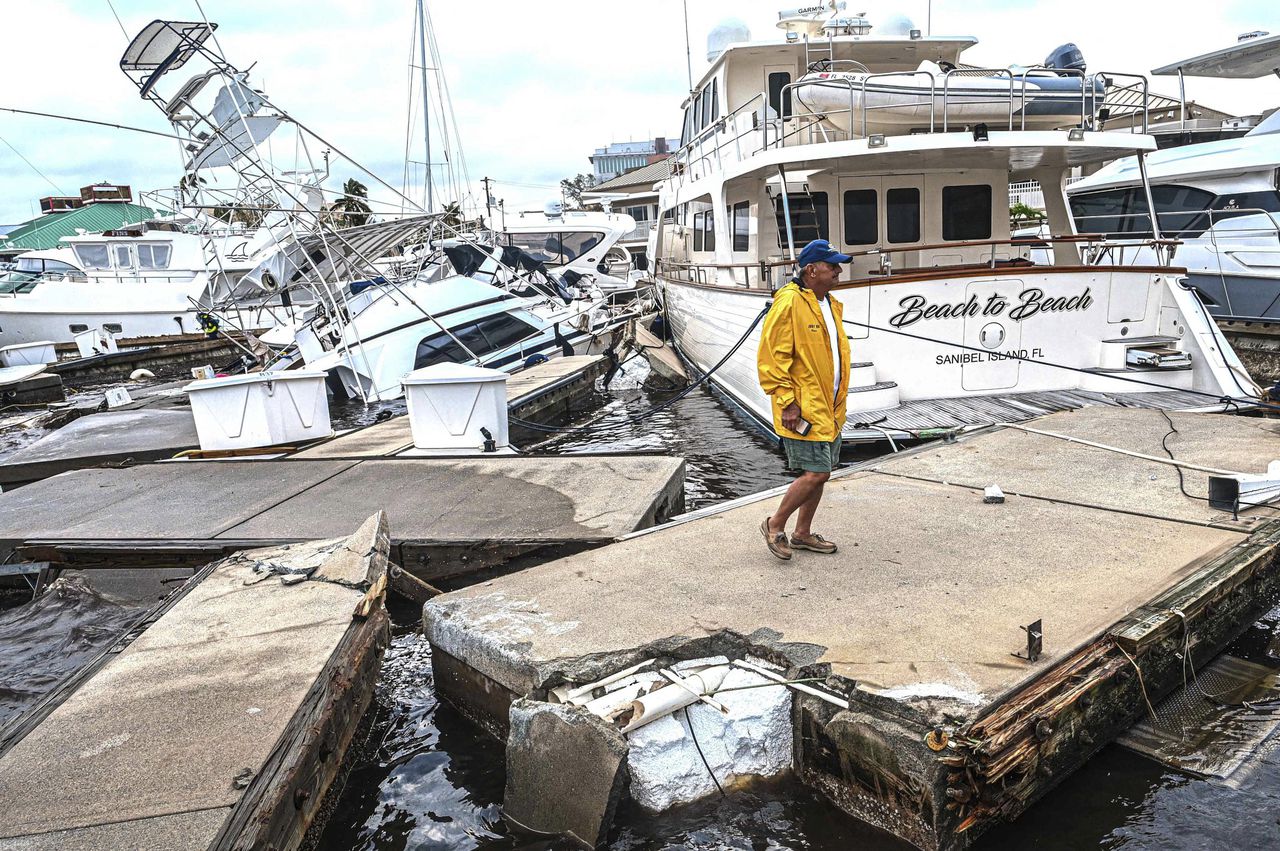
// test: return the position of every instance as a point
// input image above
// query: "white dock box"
(449, 403)
(260, 409)
(29, 354)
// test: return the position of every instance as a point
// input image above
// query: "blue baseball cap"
(820, 251)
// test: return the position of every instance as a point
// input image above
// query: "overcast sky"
(536, 85)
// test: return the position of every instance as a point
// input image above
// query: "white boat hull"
(954, 349)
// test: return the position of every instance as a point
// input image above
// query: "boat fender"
(534, 360)
(141, 374)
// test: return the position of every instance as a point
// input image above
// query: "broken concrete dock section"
(449, 517)
(220, 721)
(936, 716)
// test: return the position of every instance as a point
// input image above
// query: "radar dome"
(727, 32)
(895, 25)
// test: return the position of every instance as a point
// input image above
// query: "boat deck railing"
(754, 127)
(1197, 224)
(1094, 248)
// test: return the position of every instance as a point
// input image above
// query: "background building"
(620, 157)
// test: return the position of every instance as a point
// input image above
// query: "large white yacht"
(950, 323)
(148, 279)
(1219, 199)
(578, 241)
(497, 307)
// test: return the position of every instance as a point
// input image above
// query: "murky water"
(426, 779)
(52, 637)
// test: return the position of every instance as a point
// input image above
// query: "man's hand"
(791, 417)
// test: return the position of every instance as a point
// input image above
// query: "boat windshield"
(18, 282)
(556, 247)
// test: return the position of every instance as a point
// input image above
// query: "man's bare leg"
(807, 488)
(804, 515)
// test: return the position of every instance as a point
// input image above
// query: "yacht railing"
(640, 231)
(732, 138)
(1110, 91)
(770, 274)
(1222, 240)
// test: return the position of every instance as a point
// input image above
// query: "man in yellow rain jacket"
(803, 364)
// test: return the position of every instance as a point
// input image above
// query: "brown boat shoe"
(775, 541)
(815, 543)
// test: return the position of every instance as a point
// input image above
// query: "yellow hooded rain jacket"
(794, 362)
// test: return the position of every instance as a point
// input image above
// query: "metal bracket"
(1035, 641)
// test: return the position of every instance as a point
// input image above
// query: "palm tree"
(353, 207)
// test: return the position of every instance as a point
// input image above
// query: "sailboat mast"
(426, 99)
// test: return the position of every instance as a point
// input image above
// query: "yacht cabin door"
(885, 213)
(777, 101)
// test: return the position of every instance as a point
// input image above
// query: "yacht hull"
(991, 332)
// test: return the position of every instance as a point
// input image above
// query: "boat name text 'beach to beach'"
(1029, 302)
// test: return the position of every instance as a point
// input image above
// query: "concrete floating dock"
(538, 394)
(916, 620)
(449, 516)
(113, 437)
(219, 725)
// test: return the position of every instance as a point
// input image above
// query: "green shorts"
(812, 456)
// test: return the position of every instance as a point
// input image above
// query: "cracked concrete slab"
(167, 725)
(924, 600)
(560, 499)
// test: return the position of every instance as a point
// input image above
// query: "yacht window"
(153, 256)
(779, 101)
(480, 337)
(93, 256)
(707, 95)
(808, 218)
(504, 330)
(697, 114)
(556, 248)
(715, 100)
(578, 244)
(741, 226)
(42, 266)
(669, 215)
(698, 220)
(709, 226)
(966, 212)
(1238, 204)
(18, 282)
(544, 246)
(438, 348)
(1102, 212)
(123, 260)
(686, 135)
(860, 217)
(902, 214)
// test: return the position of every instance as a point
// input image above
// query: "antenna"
(426, 99)
(688, 51)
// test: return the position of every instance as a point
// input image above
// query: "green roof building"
(46, 231)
